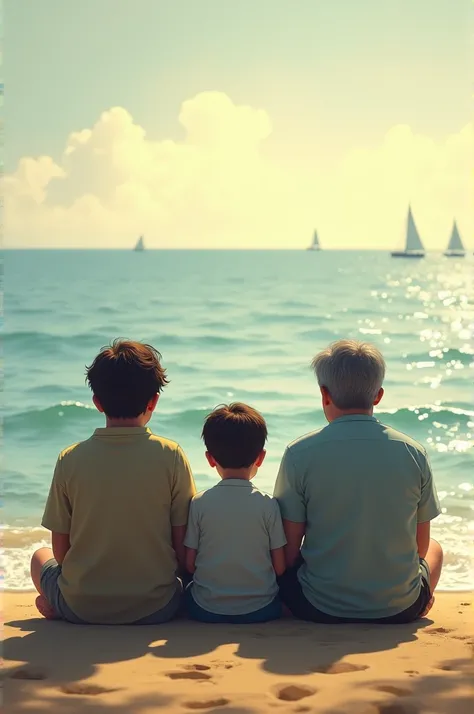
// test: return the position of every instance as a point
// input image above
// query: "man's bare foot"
(45, 609)
(429, 606)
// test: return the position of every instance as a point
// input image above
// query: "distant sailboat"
(315, 244)
(455, 247)
(139, 245)
(413, 245)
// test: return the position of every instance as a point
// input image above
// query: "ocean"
(240, 325)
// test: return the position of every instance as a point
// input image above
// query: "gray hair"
(352, 372)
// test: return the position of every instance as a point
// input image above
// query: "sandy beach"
(286, 666)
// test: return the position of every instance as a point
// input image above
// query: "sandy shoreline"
(287, 666)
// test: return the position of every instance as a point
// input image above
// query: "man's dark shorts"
(292, 595)
(50, 573)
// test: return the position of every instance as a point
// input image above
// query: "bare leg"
(434, 558)
(37, 561)
(39, 558)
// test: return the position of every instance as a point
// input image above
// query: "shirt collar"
(355, 417)
(234, 482)
(122, 431)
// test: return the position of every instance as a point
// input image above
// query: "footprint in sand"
(394, 708)
(465, 604)
(224, 664)
(393, 689)
(293, 692)
(84, 689)
(412, 672)
(339, 668)
(191, 671)
(28, 673)
(207, 703)
(438, 630)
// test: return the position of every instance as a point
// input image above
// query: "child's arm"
(182, 491)
(60, 544)
(278, 561)
(177, 538)
(294, 536)
(277, 538)
(57, 514)
(191, 554)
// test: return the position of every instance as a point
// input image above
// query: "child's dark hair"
(235, 435)
(124, 377)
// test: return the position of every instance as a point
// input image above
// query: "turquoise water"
(235, 326)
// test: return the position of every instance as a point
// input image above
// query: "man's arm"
(423, 538)
(292, 504)
(60, 544)
(278, 560)
(294, 536)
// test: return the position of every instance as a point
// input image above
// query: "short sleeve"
(182, 491)
(57, 514)
(428, 507)
(287, 492)
(192, 533)
(275, 526)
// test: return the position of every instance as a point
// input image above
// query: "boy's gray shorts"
(50, 573)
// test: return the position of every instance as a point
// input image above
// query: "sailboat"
(139, 245)
(315, 244)
(413, 245)
(455, 247)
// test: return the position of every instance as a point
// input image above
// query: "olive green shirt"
(117, 495)
(361, 488)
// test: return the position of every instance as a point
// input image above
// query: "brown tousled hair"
(235, 435)
(125, 376)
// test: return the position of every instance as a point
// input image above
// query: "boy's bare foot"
(45, 609)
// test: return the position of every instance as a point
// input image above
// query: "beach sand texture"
(287, 666)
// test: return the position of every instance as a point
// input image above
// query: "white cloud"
(218, 188)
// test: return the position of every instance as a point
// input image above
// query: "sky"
(215, 124)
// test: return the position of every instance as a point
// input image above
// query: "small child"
(235, 539)
(118, 505)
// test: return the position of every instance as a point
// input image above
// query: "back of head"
(235, 435)
(125, 376)
(352, 372)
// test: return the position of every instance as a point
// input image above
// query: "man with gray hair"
(357, 498)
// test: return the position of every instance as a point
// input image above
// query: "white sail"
(455, 242)
(413, 242)
(315, 244)
(140, 245)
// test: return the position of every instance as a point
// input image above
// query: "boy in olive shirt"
(235, 539)
(118, 505)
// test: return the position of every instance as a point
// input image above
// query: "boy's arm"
(177, 539)
(60, 544)
(277, 538)
(191, 554)
(191, 541)
(182, 491)
(57, 514)
(292, 507)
